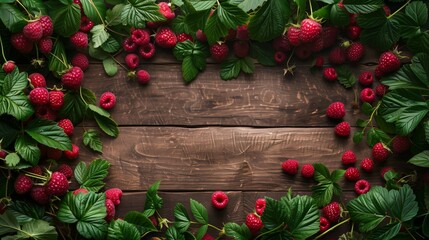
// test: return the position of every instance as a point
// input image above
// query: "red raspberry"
(56, 99)
(281, 43)
(379, 152)
(45, 45)
(319, 61)
(143, 77)
(114, 194)
(254, 223)
(181, 37)
(44, 112)
(293, 35)
(349, 157)
(9, 66)
(290, 166)
(39, 96)
(132, 60)
(310, 30)
(400, 144)
(47, 25)
(303, 52)
(307, 171)
(386, 10)
(140, 36)
(355, 52)
(353, 18)
(147, 51)
(58, 184)
(66, 170)
(385, 170)
(165, 38)
(367, 164)
(79, 39)
(242, 33)
(53, 153)
(80, 190)
(23, 184)
(366, 78)
(166, 11)
(260, 205)
(367, 95)
(337, 56)
(201, 36)
(86, 24)
(330, 74)
(279, 57)
(35, 169)
(37, 80)
(332, 212)
(207, 237)
(80, 60)
(73, 78)
(110, 210)
(336, 110)
(377, 72)
(381, 89)
(388, 63)
(67, 126)
(219, 51)
(107, 100)
(33, 31)
(219, 200)
(3, 154)
(329, 36)
(73, 154)
(128, 45)
(241, 48)
(343, 129)
(362, 186)
(324, 224)
(40, 195)
(317, 45)
(353, 32)
(231, 35)
(21, 43)
(352, 174)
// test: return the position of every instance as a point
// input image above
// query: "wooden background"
(220, 135)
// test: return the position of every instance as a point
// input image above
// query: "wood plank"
(220, 158)
(264, 99)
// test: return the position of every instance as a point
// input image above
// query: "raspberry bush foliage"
(46, 47)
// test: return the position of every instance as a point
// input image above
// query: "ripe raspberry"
(39, 96)
(355, 52)
(367, 165)
(66, 170)
(22, 184)
(260, 205)
(107, 100)
(362, 186)
(381, 89)
(37, 80)
(53, 153)
(242, 33)
(337, 56)
(132, 60)
(166, 11)
(324, 224)
(114, 194)
(147, 51)
(67, 126)
(86, 24)
(307, 171)
(165, 38)
(143, 77)
(336, 110)
(279, 57)
(73, 78)
(33, 31)
(128, 45)
(290, 166)
(207, 237)
(293, 35)
(73, 154)
(317, 44)
(40, 195)
(231, 35)
(330, 74)
(353, 32)
(181, 37)
(219, 200)
(379, 152)
(310, 30)
(385, 170)
(329, 36)
(56, 99)
(8, 66)
(140, 36)
(377, 72)
(281, 43)
(352, 174)
(110, 210)
(319, 61)
(80, 60)
(80, 190)
(219, 51)
(58, 184)
(79, 39)
(367, 95)
(154, 220)
(254, 223)
(343, 129)
(3, 154)
(303, 52)
(44, 112)
(349, 157)
(400, 144)
(47, 25)
(21, 43)
(201, 36)
(241, 48)
(35, 169)
(366, 78)
(332, 212)
(45, 45)
(388, 63)
(386, 10)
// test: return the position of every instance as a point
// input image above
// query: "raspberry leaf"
(9, 132)
(65, 16)
(200, 5)
(388, 231)
(358, 137)
(304, 218)
(136, 13)
(104, 121)
(91, 177)
(237, 232)
(421, 159)
(414, 17)
(153, 200)
(120, 229)
(12, 18)
(199, 212)
(140, 221)
(263, 53)
(251, 5)
(48, 133)
(419, 42)
(12, 159)
(181, 218)
(327, 186)
(113, 16)
(35, 6)
(201, 231)
(404, 206)
(339, 16)
(323, 12)
(197, 20)
(383, 36)
(99, 35)
(345, 76)
(75, 105)
(231, 67)
(364, 6)
(37, 229)
(111, 45)
(179, 25)
(27, 148)
(110, 66)
(92, 140)
(26, 211)
(94, 9)
(8, 223)
(58, 58)
(375, 135)
(172, 233)
(214, 28)
(276, 213)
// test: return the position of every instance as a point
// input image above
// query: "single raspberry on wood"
(45, 45)
(290, 166)
(79, 39)
(114, 194)
(379, 152)
(336, 110)
(165, 38)
(330, 74)
(56, 99)
(367, 95)
(47, 25)
(362, 186)
(348, 157)
(219, 51)
(219, 200)
(147, 51)
(9, 66)
(107, 100)
(21, 43)
(140, 36)
(72, 154)
(33, 31)
(324, 224)
(37, 80)
(66, 170)
(401, 144)
(39, 96)
(279, 57)
(332, 212)
(110, 210)
(367, 165)
(142, 76)
(366, 78)
(310, 30)
(72, 79)
(40, 195)
(254, 223)
(22, 184)
(58, 184)
(132, 60)
(260, 205)
(352, 174)
(67, 126)
(293, 35)
(342, 129)
(86, 24)
(80, 60)
(307, 171)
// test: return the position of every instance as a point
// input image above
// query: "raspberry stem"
(332, 228)
(25, 9)
(393, 14)
(2, 50)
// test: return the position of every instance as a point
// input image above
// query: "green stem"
(372, 116)
(59, 59)
(81, 96)
(2, 50)
(96, 10)
(332, 228)
(120, 64)
(311, 8)
(272, 230)
(115, 32)
(214, 227)
(25, 9)
(393, 14)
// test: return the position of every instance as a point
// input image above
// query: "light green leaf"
(66, 17)
(200, 5)
(27, 148)
(421, 159)
(48, 133)
(111, 45)
(94, 9)
(181, 218)
(363, 6)
(251, 5)
(8, 223)
(98, 110)
(137, 12)
(38, 230)
(91, 177)
(199, 212)
(12, 18)
(99, 35)
(323, 12)
(201, 231)
(92, 140)
(12, 159)
(110, 66)
(122, 230)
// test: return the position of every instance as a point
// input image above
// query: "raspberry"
(385, 170)
(201, 36)
(33, 31)
(260, 205)
(310, 30)
(47, 25)
(147, 51)
(132, 60)
(107, 100)
(317, 45)
(44, 112)
(231, 35)
(386, 10)
(303, 52)
(281, 43)
(367, 95)
(337, 56)
(290, 166)
(379, 152)
(9, 66)
(349, 157)
(307, 171)
(293, 35)
(80, 60)
(39, 96)
(400, 144)
(355, 52)
(45, 45)
(58, 184)
(332, 212)
(128, 45)
(343, 129)
(166, 11)
(367, 164)
(79, 39)
(53, 153)
(241, 48)
(352, 174)
(366, 78)
(153, 220)
(143, 77)
(114, 194)
(22, 184)
(219, 51)
(66, 170)
(67, 126)
(242, 33)
(21, 43)
(40, 195)
(207, 237)
(73, 78)
(329, 36)
(165, 38)
(381, 89)
(35, 169)
(324, 224)
(279, 57)
(330, 74)
(181, 37)
(56, 99)
(362, 186)
(110, 210)
(319, 61)
(336, 110)
(219, 200)
(80, 190)
(377, 72)
(353, 32)
(388, 63)
(86, 24)
(73, 154)
(37, 80)
(3, 154)
(140, 36)
(254, 223)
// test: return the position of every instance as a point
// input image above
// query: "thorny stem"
(332, 228)
(393, 14)
(2, 50)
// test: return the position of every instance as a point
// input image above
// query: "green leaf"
(97, 53)
(337, 174)
(8, 223)
(419, 43)
(13, 101)
(230, 68)
(179, 25)
(56, 64)
(304, 217)
(364, 6)
(383, 36)
(395, 102)
(8, 132)
(111, 45)
(323, 12)
(197, 20)
(38, 230)
(137, 12)
(404, 205)
(99, 35)
(113, 16)
(263, 52)
(199, 212)
(372, 20)
(273, 15)
(105, 122)
(143, 224)
(12, 159)
(247, 65)
(110, 66)
(339, 16)
(357, 137)
(92, 140)
(410, 118)
(386, 232)
(425, 226)
(322, 193)
(181, 218)
(48, 133)
(189, 70)
(26, 211)
(14, 83)
(12, 18)
(173, 234)
(122, 230)
(35, 6)
(75, 106)
(418, 12)
(91, 177)
(94, 9)
(66, 17)
(321, 172)
(251, 5)
(200, 5)
(376, 135)
(93, 230)
(231, 16)
(153, 200)
(421, 159)
(183, 50)
(237, 232)
(383, 125)
(27, 148)
(201, 231)
(276, 213)
(214, 28)
(361, 123)
(345, 76)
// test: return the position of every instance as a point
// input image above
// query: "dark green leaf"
(27, 148)
(8, 132)
(251, 5)
(304, 217)
(322, 193)
(214, 28)
(337, 174)
(153, 200)
(231, 16)
(230, 68)
(201, 231)
(384, 36)
(92, 140)
(276, 213)
(263, 52)
(97, 53)
(14, 83)
(48, 133)
(122, 230)
(93, 230)
(37, 7)
(181, 218)
(372, 20)
(419, 43)
(12, 159)
(107, 124)
(404, 205)
(421, 159)
(364, 6)
(418, 12)
(357, 137)
(376, 135)
(75, 107)
(137, 12)
(113, 16)
(247, 65)
(94, 9)
(91, 177)
(17, 106)
(183, 49)
(173, 234)
(179, 25)
(339, 16)
(426, 129)
(323, 12)
(386, 232)
(27, 211)
(197, 20)
(383, 125)
(189, 70)
(11, 17)
(143, 224)
(345, 76)
(395, 102)
(425, 226)
(58, 58)
(237, 232)
(410, 118)
(321, 172)
(8, 223)
(199, 212)
(200, 5)
(361, 123)
(66, 17)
